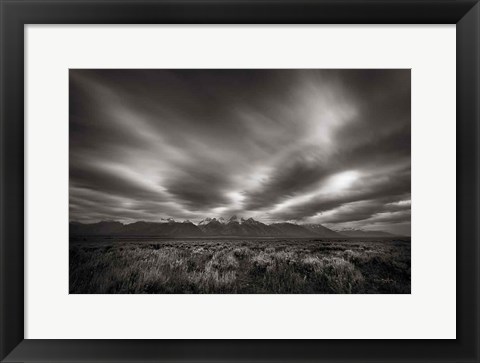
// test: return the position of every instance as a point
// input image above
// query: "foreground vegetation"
(240, 266)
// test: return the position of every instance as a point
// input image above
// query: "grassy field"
(240, 266)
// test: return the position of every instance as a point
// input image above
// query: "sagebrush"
(240, 266)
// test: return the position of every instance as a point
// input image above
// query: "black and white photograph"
(239, 181)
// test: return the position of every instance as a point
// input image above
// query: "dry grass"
(239, 266)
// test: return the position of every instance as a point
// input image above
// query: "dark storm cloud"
(291, 176)
(331, 146)
(378, 189)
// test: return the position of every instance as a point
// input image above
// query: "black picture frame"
(17, 13)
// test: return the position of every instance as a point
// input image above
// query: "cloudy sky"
(317, 146)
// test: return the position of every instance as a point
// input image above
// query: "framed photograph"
(240, 181)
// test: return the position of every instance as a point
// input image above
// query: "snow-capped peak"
(205, 221)
(234, 218)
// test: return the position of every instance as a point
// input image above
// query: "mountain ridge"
(213, 227)
(365, 233)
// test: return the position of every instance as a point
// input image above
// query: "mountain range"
(233, 227)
